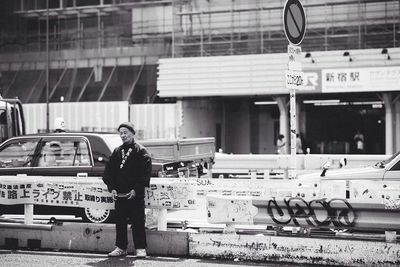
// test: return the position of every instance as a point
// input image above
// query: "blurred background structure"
(165, 51)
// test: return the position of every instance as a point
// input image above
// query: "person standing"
(359, 142)
(126, 175)
(299, 144)
(281, 144)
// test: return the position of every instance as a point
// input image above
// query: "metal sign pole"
(293, 131)
(294, 22)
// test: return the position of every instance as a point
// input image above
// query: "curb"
(86, 237)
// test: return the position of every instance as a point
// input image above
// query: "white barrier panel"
(271, 188)
(91, 192)
(245, 187)
(88, 116)
(154, 121)
(388, 191)
(319, 189)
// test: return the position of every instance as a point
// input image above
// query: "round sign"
(294, 20)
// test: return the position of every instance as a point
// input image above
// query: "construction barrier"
(91, 192)
(312, 204)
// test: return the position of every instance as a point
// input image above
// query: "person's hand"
(114, 194)
(131, 194)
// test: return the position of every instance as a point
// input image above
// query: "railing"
(369, 206)
(276, 166)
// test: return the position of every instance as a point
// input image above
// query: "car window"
(396, 167)
(64, 153)
(112, 141)
(18, 154)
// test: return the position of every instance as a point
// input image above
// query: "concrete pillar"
(301, 118)
(397, 125)
(162, 220)
(283, 118)
(387, 99)
(28, 213)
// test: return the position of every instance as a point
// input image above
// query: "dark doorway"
(330, 129)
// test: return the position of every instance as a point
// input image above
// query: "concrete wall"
(237, 125)
(200, 117)
(266, 144)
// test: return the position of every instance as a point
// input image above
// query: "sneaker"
(117, 252)
(141, 253)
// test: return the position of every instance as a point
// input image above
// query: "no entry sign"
(294, 20)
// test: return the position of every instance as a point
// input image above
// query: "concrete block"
(167, 243)
(88, 237)
(295, 250)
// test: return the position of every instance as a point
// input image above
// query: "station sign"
(295, 79)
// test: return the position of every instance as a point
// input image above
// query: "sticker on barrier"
(387, 192)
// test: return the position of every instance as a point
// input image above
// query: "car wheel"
(96, 215)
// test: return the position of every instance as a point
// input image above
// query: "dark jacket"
(135, 173)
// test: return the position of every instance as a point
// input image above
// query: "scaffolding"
(198, 27)
(134, 34)
(233, 27)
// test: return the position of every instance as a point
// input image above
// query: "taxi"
(82, 154)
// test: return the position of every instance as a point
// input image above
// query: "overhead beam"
(58, 83)
(33, 89)
(84, 86)
(132, 89)
(106, 84)
(11, 83)
(71, 85)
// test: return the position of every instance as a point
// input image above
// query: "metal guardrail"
(276, 166)
(299, 212)
(361, 205)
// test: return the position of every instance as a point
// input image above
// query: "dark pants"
(130, 211)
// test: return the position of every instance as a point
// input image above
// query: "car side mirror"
(342, 162)
(325, 168)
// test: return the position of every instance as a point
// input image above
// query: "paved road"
(20, 258)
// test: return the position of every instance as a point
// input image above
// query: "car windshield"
(383, 163)
(17, 154)
(112, 141)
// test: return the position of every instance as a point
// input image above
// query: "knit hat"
(127, 125)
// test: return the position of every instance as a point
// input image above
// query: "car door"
(63, 156)
(101, 153)
(393, 173)
(17, 155)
